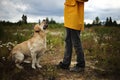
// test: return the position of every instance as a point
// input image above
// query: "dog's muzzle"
(45, 26)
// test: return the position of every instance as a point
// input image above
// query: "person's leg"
(75, 34)
(68, 47)
(68, 50)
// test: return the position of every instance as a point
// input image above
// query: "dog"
(32, 48)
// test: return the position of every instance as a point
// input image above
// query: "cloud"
(102, 9)
(43, 8)
(12, 10)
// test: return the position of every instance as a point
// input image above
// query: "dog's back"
(22, 47)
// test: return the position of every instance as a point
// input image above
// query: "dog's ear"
(37, 28)
(39, 22)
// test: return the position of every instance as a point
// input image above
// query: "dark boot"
(61, 65)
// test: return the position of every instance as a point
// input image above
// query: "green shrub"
(1, 32)
(108, 50)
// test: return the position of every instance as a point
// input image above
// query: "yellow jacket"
(74, 14)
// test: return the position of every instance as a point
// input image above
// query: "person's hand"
(82, 0)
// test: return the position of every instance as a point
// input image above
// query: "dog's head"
(41, 27)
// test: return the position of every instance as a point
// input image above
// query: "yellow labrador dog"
(31, 48)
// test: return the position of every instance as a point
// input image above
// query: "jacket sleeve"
(82, 0)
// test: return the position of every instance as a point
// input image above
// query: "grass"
(101, 48)
(109, 49)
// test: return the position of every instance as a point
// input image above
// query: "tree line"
(20, 22)
(24, 21)
(108, 22)
(96, 22)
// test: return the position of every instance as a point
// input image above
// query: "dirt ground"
(49, 70)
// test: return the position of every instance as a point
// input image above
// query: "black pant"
(73, 39)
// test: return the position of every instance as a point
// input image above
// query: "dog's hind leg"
(19, 57)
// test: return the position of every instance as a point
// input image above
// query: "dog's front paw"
(39, 66)
(33, 67)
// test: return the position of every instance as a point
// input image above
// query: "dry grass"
(95, 66)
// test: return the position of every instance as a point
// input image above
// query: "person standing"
(74, 24)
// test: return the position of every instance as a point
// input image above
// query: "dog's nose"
(45, 26)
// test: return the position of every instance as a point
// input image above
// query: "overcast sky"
(12, 10)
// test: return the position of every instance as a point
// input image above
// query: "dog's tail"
(6, 60)
(11, 57)
(10, 60)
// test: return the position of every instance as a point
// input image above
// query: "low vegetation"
(101, 48)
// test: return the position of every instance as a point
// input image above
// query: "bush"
(54, 26)
(108, 50)
(1, 32)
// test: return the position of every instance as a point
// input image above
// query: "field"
(100, 44)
